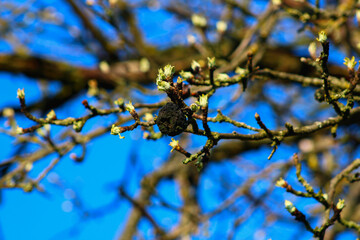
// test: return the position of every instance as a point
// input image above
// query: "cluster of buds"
(164, 78)
(163, 86)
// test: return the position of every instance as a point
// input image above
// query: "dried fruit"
(171, 120)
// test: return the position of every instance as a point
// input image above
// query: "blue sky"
(81, 200)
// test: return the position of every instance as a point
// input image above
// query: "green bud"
(198, 20)
(169, 71)
(280, 183)
(129, 107)
(20, 93)
(222, 77)
(186, 75)
(116, 131)
(276, 2)
(322, 37)
(19, 130)
(289, 206)
(194, 107)
(160, 76)
(203, 100)
(325, 196)
(148, 117)
(78, 125)
(28, 187)
(163, 86)
(340, 204)
(119, 102)
(241, 71)
(211, 62)
(312, 50)
(174, 144)
(221, 26)
(51, 115)
(195, 66)
(144, 65)
(350, 63)
(104, 67)
(8, 112)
